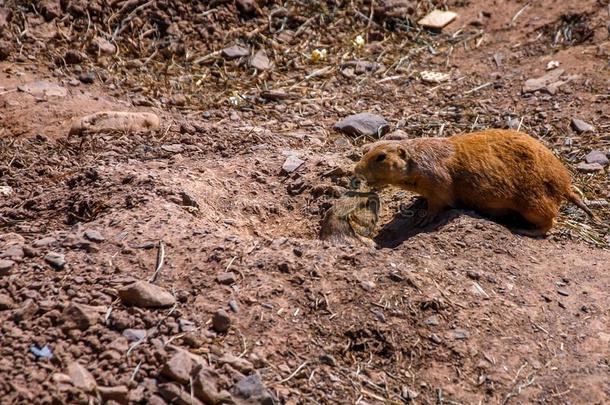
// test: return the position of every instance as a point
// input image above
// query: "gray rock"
(367, 285)
(56, 260)
(363, 124)
(291, 164)
(235, 52)
(589, 167)
(597, 156)
(81, 377)
(221, 322)
(94, 236)
(146, 295)
(86, 78)
(234, 306)
(549, 82)
(44, 242)
(252, 389)
(580, 126)
(6, 266)
(173, 148)
(260, 61)
(459, 334)
(134, 334)
(227, 278)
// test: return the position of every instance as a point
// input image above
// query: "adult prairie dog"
(494, 171)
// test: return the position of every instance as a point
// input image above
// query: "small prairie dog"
(494, 171)
(353, 217)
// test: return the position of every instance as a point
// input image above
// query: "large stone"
(260, 61)
(44, 89)
(363, 124)
(56, 260)
(227, 278)
(115, 121)
(549, 82)
(82, 316)
(146, 295)
(580, 126)
(81, 377)
(235, 52)
(94, 236)
(252, 389)
(205, 385)
(291, 164)
(6, 266)
(597, 156)
(179, 367)
(44, 242)
(437, 19)
(13, 252)
(589, 167)
(117, 393)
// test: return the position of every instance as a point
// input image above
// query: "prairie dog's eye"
(380, 157)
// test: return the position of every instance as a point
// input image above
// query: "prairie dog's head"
(384, 163)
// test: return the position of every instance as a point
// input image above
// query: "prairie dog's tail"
(574, 196)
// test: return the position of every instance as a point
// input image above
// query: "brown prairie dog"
(494, 171)
(352, 218)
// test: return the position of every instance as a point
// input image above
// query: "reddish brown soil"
(465, 312)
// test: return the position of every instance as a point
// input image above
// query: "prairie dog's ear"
(366, 148)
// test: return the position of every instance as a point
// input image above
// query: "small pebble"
(221, 322)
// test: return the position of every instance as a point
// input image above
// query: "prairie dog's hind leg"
(541, 217)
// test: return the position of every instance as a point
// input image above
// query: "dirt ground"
(465, 312)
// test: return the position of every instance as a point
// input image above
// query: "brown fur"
(353, 217)
(494, 171)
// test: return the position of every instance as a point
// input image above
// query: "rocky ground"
(178, 261)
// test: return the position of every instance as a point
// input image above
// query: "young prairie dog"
(495, 171)
(353, 217)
